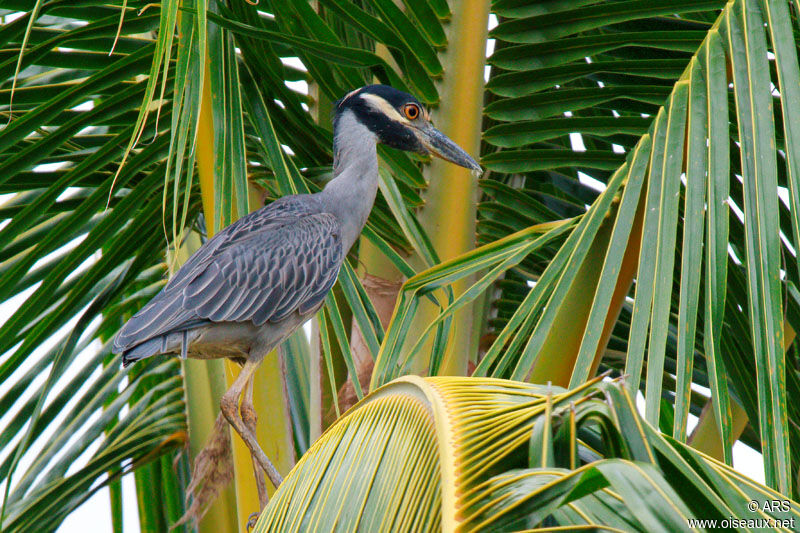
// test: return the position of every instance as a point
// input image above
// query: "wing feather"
(275, 261)
(299, 261)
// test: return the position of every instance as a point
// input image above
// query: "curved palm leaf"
(498, 455)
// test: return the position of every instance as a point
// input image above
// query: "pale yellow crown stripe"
(384, 107)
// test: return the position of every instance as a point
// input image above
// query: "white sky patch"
(11, 17)
(748, 462)
(50, 167)
(71, 245)
(83, 458)
(88, 130)
(745, 459)
(489, 47)
(300, 86)
(736, 210)
(576, 140)
(293, 62)
(589, 181)
(85, 106)
(3, 199)
(97, 511)
(8, 308)
(705, 391)
(691, 422)
(783, 194)
(788, 244)
(68, 193)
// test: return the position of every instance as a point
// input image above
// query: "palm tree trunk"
(451, 198)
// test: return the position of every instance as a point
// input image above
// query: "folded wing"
(275, 261)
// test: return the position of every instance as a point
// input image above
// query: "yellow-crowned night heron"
(250, 286)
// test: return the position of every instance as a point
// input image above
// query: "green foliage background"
(675, 265)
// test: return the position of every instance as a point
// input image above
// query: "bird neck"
(351, 192)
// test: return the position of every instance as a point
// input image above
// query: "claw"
(251, 520)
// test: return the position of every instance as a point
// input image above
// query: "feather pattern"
(280, 259)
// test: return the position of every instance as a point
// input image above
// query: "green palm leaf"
(491, 455)
(637, 214)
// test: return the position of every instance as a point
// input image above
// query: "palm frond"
(499, 455)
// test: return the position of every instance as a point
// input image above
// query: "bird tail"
(169, 343)
(145, 349)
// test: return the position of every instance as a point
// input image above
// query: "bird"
(251, 285)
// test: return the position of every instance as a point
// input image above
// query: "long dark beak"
(439, 145)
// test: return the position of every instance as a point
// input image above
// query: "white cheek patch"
(384, 107)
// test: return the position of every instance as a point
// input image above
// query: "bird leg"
(250, 418)
(229, 405)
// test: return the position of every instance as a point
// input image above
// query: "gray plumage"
(281, 259)
(260, 278)
(255, 282)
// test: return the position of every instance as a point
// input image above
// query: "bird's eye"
(411, 111)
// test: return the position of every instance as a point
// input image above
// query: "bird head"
(398, 120)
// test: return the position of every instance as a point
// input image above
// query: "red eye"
(411, 111)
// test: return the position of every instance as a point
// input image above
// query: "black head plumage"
(381, 109)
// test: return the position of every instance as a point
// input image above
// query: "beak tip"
(439, 145)
(472, 165)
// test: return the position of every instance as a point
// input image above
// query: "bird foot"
(251, 520)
